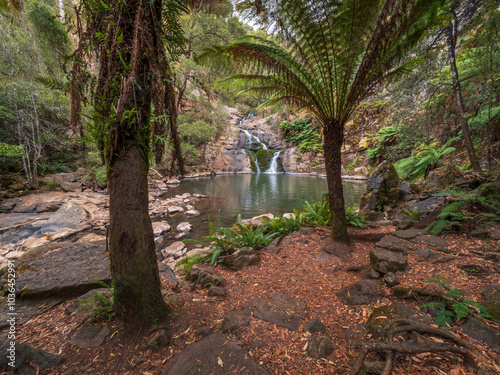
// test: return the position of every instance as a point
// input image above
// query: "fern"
(453, 304)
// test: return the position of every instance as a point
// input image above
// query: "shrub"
(300, 133)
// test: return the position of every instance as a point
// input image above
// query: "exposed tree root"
(391, 347)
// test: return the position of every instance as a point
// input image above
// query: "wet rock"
(160, 227)
(27, 360)
(192, 213)
(184, 227)
(361, 293)
(481, 331)
(88, 337)
(319, 347)
(314, 326)
(396, 244)
(214, 354)
(174, 209)
(175, 250)
(386, 261)
(62, 269)
(234, 320)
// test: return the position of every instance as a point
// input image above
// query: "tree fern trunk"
(333, 137)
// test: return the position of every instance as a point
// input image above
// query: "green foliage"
(246, 235)
(453, 305)
(353, 218)
(353, 165)
(190, 153)
(96, 176)
(413, 214)
(385, 138)
(284, 225)
(300, 133)
(102, 306)
(317, 213)
(472, 208)
(197, 132)
(11, 151)
(425, 158)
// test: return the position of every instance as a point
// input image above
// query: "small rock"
(315, 326)
(386, 261)
(184, 227)
(174, 209)
(215, 291)
(172, 181)
(88, 337)
(192, 213)
(373, 274)
(396, 244)
(175, 250)
(407, 234)
(432, 241)
(160, 227)
(274, 246)
(234, 320)
(159, 339)
(391, 280)
(257, 221)
(319, 347)
(481, 331)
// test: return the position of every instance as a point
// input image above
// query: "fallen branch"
(391, 347)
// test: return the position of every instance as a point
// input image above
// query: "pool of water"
(254, 194)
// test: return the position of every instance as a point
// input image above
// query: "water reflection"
(257, 194)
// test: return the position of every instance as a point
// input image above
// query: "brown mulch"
(296, 273)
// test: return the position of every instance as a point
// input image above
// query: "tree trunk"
(332, 144)
(134, 268)
(450, 42)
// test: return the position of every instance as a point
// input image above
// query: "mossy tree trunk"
(332, 144)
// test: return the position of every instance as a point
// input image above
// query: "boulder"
(192, 213)
(257, 221)
(213, 355)
(27, 360)
(204, 275)
(446, 176)
(386, 261)
(68, 181)
(68, 216)
(319, 346)
(382, 189)
(361, 293)
(431, 241)
(396, 244)
(479, 330)
(62, 270)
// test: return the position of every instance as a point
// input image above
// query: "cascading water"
(253, 144)
(273, 167)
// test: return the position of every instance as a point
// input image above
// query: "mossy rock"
(491, 301)
(443, 177)
(264, 158)
(382, 189)
(384, 314)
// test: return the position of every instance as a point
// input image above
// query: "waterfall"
(273, 167)
(250, 136)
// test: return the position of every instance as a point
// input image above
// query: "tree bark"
(134, 268)
(332, 144)
(450, 42)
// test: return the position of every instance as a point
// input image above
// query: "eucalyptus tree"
(132, 39)
(327, 56)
